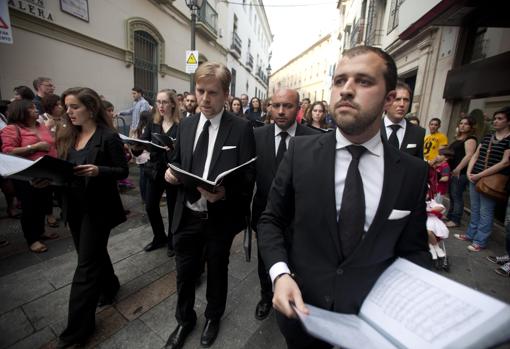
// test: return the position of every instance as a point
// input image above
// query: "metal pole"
(193, 23)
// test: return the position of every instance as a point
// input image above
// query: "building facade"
(311, 71)
(114, 45)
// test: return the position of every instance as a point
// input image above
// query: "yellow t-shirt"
(432, 144)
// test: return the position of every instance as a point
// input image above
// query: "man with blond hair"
(208, 144)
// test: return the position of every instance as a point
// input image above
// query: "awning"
(477, 13)
(486, 78)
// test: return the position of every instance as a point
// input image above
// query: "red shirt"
(11, 139)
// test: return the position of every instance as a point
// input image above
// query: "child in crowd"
(442, 172)
(436, 230)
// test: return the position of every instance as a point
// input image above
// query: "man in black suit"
(208, 144)
(270, 149)
(403, 135)
(347, 194)
(190, 104)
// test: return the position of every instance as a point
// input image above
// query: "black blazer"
(412, 143)
(227, 215)
(266, 165)
(304, 191)
(102, 200)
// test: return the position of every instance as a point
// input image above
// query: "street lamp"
(194, 6)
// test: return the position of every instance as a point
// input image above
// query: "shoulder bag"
(493, 186)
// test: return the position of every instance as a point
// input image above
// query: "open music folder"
(411, 307)
(58, 171)
(191, 180)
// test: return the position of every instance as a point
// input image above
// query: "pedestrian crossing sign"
(191, 61)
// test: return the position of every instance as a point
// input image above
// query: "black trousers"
(94, 276)
(154, 190)
(266, 287)
(34, 203)
(190, 240)
(296, 336)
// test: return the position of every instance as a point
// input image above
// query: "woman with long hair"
(492, 156)
(254, 112)
(315, 116)
(91, 206)
(463, 149)
(236, 107)
(165, 122)
(25, 137)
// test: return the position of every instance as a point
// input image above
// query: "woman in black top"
(91, 206)
(463, 148)
(254, 112)
(165, 122)
(236, 107)
(498, 159)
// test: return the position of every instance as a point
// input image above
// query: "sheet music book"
(191, 180)
(164, 140)
(58, 171)
(136, 141)
(411, 307)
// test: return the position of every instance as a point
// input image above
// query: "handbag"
(493, 186)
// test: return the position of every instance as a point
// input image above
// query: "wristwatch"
(30, 150)
(280, 275)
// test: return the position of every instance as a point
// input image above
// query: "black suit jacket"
(304, 191)
(227, 215)
(102, 200)
(266, 165)
(412, 143)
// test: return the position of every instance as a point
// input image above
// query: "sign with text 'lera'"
(191, 61)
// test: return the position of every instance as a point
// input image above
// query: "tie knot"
(356, 151)
(395, 127)
(207, 124)
(283, 135)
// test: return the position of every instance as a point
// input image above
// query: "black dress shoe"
(154, 245)
(170, 252)
(210, 332)
(263, 309)
(178, 336)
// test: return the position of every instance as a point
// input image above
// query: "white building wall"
(42, 53)
(252, 26)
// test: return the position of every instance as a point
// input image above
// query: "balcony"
(249, 61)
(236, 46)
(207, 21)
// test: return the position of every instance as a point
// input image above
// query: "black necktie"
(198, 161)
(393, 137)
(352, 211)
(282, 148)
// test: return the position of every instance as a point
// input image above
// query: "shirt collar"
(215, 120)
(291, 130)
(388, 122)
(374, 145)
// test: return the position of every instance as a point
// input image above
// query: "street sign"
(5, 23)
(191, 61)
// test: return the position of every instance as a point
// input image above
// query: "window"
(233, 83)
(393, 17)
(146, 63)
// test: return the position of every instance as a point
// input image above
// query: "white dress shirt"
(371, 168)
(201, 204)
(277, 138)
(401, 131)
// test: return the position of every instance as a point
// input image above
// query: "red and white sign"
(5, 24)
